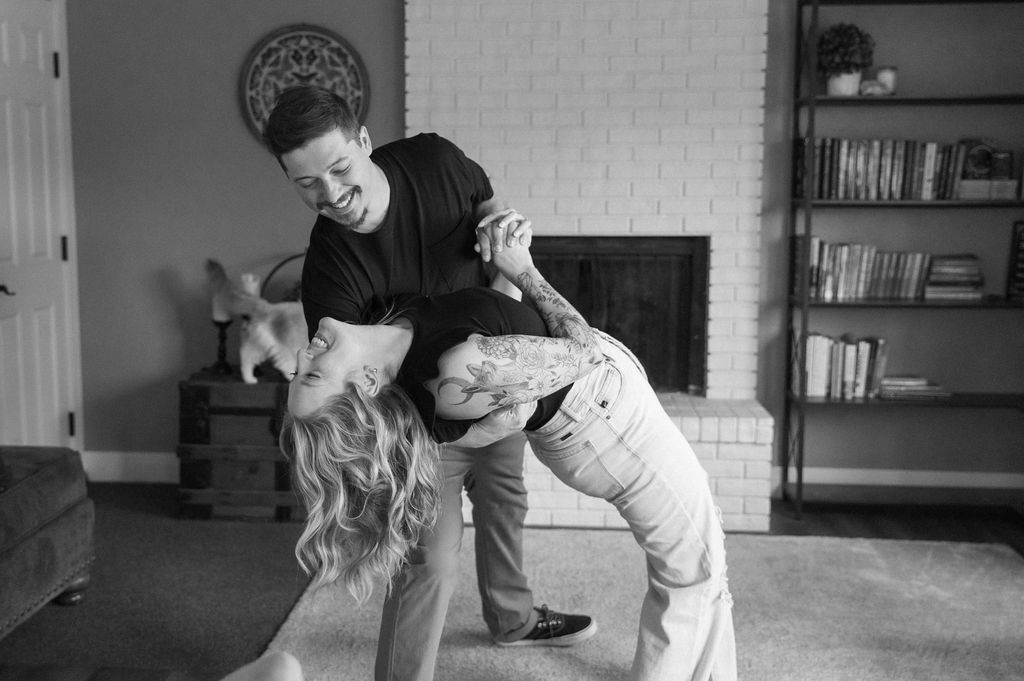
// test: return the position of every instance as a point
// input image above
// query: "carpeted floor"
(806, 608)
(207, 596)
(199, 596)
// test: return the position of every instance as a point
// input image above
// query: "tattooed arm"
(563, 321)
(488, 372)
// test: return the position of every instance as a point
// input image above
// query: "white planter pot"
(844, 84)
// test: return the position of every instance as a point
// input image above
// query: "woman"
(274, 665)
(370, 403)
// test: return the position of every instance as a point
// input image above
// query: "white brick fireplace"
(623, 118)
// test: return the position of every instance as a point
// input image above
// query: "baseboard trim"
(892, 477)
(107, 466)
(131, 466)
(885, 486)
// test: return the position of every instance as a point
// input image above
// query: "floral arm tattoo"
(521, 368)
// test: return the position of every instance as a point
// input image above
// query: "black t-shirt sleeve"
(438, 189)
(464, 178)
(328, 287)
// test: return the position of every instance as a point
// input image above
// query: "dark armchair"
(46, 531)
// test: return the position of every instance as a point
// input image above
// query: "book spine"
(941, 166)
(814, 272)
(843, 169)
(885, 170)
(876, 268)
(799, 165)
(833, 166)
(958, 169)
(860, 170)
(824, 177)
(828, 272)
(931, 150)
(867, 262)
(817, 365)
(843, 272)
(854, 271)
(871, 174)
(835, 388)
(1015, 273)
(818, 159)
(902, 275)
(898, 155)
(925, 268)
(860, 382)
(948, 170)
(878, 364)
(849, 368)
(915, 261)
(910, 171)
(893, 276)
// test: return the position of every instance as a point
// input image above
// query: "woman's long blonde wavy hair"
(369, 475)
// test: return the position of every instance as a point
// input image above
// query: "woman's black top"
(443, 321)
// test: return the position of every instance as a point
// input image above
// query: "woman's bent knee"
(276, 665)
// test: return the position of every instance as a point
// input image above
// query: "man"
(402, 219)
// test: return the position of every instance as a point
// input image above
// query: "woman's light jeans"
(612, 439)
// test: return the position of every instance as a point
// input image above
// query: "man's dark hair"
(303, 113)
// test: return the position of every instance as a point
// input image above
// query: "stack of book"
(955, 277)
(1015, 275)
(910, 387)
(844, 368)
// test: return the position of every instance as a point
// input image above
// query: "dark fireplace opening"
(649, 292)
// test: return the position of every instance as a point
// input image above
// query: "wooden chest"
(231, 466)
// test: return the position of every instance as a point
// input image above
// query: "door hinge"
(64, 248)
(56, 64)
(71, 424)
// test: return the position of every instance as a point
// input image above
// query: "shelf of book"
(808, 3)
(872, 171)
(956, 400)
(914, 203)
(861, 101)
(984, 304)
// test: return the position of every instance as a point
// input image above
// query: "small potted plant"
(844, 52)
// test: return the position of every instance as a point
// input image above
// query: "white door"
(40, 358)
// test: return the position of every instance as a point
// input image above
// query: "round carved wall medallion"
(296, 55)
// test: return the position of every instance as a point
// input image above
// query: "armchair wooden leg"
(74, 593)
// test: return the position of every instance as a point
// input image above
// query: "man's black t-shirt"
(424, 245)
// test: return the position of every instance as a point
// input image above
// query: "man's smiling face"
(336, 178)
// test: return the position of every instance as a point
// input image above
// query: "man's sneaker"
(556, 629)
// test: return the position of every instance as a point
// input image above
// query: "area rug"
(806, 609)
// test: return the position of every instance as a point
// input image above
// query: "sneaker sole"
(555, 642)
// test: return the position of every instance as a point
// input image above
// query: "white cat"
(271, 332)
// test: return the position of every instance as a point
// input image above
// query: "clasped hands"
(500, 229)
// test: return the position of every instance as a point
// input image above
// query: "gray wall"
(167, 174)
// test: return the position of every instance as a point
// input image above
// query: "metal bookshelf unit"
(815, 116)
